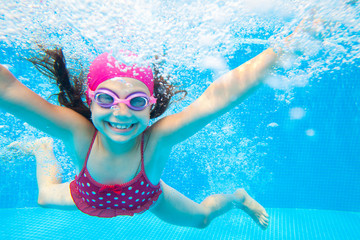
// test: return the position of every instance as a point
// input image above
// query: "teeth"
(120, 126)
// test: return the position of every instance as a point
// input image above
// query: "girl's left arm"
(222, 95)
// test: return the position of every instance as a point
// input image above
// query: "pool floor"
(40, 223)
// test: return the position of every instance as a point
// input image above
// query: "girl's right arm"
(57, 121)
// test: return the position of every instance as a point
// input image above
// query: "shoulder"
(157, 136)
(81, 141)
(156, 153)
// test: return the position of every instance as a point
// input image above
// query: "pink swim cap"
(105, 67)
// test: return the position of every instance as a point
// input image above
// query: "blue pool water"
(294, 144)
(38, 223)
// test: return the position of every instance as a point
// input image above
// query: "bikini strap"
(91, 144)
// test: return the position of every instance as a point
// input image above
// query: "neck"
(119, 148)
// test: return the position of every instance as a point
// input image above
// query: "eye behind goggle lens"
(103, 98)
(139, 102)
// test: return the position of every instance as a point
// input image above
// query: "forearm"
(6, 79)
(222, 95)
(234, 85)
(21, 101)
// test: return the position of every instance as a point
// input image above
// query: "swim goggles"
(106, 98)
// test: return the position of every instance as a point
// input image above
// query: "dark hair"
(52, 63)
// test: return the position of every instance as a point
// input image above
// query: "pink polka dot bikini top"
(96, 199)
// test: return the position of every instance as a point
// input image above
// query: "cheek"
(98, 112)
(144, 116)
(94, 118)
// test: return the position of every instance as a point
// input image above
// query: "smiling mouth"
(121, 127)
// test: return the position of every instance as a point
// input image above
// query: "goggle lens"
(104, 99)
(136, 101)
(139, 102)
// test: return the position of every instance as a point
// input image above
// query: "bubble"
(260, 6)
(297, 113)
(184, 32)
(114, 107)
(214, 63)
(273, 124)
(118, 79)
(129, 85)
(310, 132)
(278, 82)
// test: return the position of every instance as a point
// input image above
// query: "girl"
(119, 158)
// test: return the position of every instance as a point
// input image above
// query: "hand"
(308, 27)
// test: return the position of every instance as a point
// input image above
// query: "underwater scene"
(293, 143)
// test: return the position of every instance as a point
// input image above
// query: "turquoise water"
(38, 223)
(294, 144)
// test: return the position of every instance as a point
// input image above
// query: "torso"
(111, 196)
(121, 170)
(110, 170)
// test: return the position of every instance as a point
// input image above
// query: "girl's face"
(120, 123)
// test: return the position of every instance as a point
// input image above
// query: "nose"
(121, 110)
